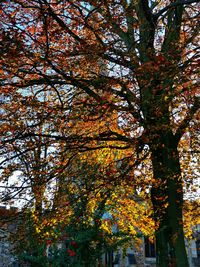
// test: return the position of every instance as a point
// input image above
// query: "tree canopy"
(110, 84)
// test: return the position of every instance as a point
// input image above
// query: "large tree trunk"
(167, 199)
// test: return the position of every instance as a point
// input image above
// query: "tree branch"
(64, 26)
(185, 123)
(175, 4)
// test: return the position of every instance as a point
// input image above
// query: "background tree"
(151, 52)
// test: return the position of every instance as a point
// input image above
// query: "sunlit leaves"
(101, 106)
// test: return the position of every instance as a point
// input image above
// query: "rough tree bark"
(167, 188)
(167, 199)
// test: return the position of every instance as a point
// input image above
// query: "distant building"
(7, 226)
(145, 256)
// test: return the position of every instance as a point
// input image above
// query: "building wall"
(143, 259)
(7, 259)
(7, 226)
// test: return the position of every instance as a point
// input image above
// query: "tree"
(151, 53)
(88, 205)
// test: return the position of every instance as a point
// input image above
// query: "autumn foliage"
(100, 115)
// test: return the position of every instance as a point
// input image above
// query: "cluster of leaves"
(89, 211)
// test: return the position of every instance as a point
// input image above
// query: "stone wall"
(7, 259)
(8, 225)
